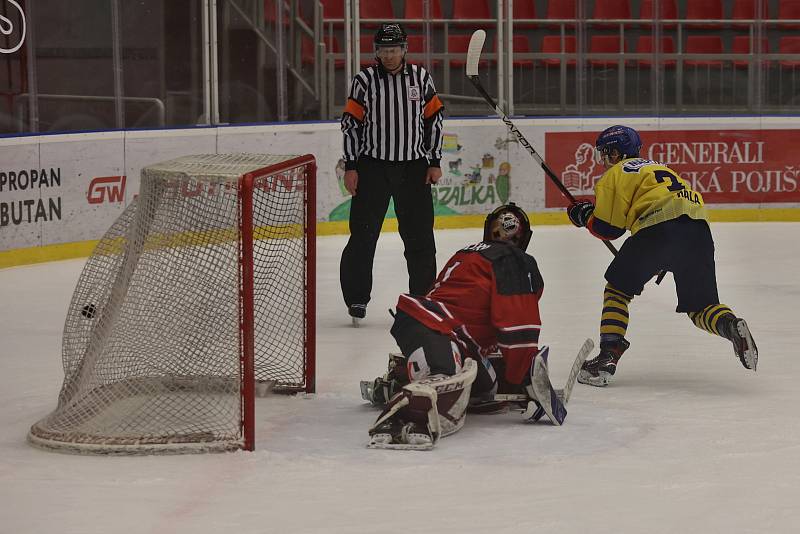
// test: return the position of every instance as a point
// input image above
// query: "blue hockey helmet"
(623, 139)
(508, 223)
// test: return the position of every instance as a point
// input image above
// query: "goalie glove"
(579, 212)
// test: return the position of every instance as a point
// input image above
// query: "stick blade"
(474, 51)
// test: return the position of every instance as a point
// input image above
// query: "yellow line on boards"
(82, 249)
(61, 251)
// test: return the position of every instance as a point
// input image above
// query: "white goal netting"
(212, 262)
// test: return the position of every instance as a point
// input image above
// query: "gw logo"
(114, 186)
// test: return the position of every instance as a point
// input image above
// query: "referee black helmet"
(390, 34)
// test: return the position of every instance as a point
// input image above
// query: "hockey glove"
(579, 212)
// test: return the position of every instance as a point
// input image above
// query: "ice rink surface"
(684, 440)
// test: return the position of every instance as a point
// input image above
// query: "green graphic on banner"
(474, 180)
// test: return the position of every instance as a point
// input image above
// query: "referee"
(392, 126)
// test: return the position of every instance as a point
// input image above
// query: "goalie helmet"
(508, 223)
(623, 139)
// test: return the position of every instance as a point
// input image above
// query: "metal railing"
(577, 71)
(21, 99)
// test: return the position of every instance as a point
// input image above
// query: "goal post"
(200, 294)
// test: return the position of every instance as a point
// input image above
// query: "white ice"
(684, 440)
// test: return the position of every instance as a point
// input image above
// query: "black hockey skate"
(599, 370)
(357, 312)
(736, 330)
(403, 435)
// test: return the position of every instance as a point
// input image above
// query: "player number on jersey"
(662, 175)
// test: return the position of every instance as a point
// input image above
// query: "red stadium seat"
(742, 45)
(470, 9)
(704, 9)
(561, 9)
(604, 44)
(521, 46)
(709, 86)
(414, 9)
(789, 45)
(644, 45)
(524, 9)
(552, 44)
(269, 13)
(332, 47)
(744, 9)
(333, 9)
(416, 50)
(307, 50)
(704, 44)
(367, 48)
(376, 9)
(668, 11)
(610, 9)
(787, 74)
(458, 45)
(789, 10)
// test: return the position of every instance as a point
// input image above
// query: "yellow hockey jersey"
(637, 193)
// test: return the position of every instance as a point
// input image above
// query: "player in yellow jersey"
(669, 231)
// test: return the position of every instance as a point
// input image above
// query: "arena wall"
(59, 193)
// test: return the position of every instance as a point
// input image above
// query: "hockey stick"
(473, 57)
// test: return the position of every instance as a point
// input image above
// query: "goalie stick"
(541, 382)
(473, 58)
(379, 398)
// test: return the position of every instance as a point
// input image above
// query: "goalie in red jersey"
(485, 299)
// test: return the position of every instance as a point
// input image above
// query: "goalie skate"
(424, 411)
(408, 437)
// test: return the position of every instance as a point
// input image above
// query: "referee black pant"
(378, 181)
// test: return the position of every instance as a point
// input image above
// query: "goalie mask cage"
(202, 289)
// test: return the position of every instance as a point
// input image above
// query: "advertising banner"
(91, 188)
(482, 168)
(57, 189)
(725, 166)
(30, 195)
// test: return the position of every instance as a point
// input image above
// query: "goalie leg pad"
(424, 411)
(542, 392)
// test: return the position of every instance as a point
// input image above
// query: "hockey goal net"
(200, 292)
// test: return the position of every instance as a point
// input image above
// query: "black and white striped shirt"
(392, 117)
